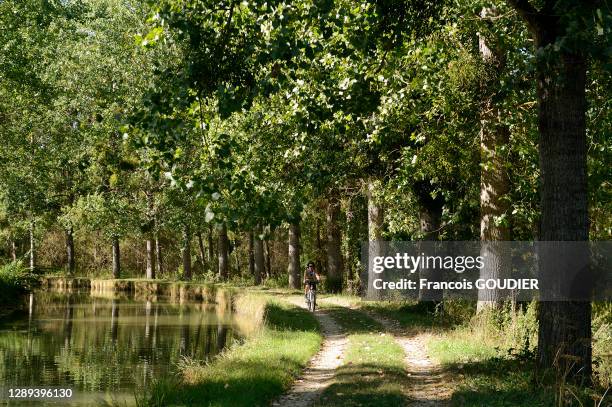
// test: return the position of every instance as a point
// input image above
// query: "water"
(105, 349)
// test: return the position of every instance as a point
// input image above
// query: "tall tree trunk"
(116, 258)
(32, 247)
(201, 249)
(159, 267)
(565, 327)
(70, 263)
(211, 247)
(150, 266)
(494, 182)
(293, 268)
(268, 258)
(258, 252)
(375, 229)
(430, 219)
(320, 261)
(186, 252)
(223, 253)
(13, 250)
(236, 257)
(334, 253)
(251, 254)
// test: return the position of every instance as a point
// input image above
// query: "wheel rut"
(321, 370)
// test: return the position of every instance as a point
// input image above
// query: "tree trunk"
(150, 267)
(70, 264)
(321, 264)
(116, 258)
(565, 327)
(334, 254)
(186, 253)
(236, 257)
(268, 258)
(158, 257)
(211, 247)
(32, 248)
(430, 219)
(251, 254)
(494, 182)
(201, 248)
(13, 250)
(375, 229)
(258, 252)
(293, 268)
(223, 253)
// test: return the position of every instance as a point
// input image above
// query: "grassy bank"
(250, 374)
(373, 370)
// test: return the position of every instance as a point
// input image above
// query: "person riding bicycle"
(311, 278)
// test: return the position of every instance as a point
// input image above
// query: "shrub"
(15, 279)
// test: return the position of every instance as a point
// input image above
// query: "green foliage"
(15, 279)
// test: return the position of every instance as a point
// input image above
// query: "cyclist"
(311, 278)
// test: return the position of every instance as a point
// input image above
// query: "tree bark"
(375, 229)
(494, 182)
(334, 253)
(258, 252)
(116, 258)
(70, 263)
(565, 327)
(293, 268)
(223, 253)
(186, 252)
(150, 266)
(32, 247)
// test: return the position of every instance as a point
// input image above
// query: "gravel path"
(429, 386)
(321, 370)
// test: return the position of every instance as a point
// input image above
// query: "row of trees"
(330, 122)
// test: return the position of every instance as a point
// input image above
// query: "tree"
(564, 34)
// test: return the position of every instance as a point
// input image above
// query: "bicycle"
(311, 296)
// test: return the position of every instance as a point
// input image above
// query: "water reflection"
(100, 346)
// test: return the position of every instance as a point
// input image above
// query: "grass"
(373, 370)
(492, 356)
(251, 374)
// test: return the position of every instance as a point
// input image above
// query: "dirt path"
(429, 385)
(321, 370)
